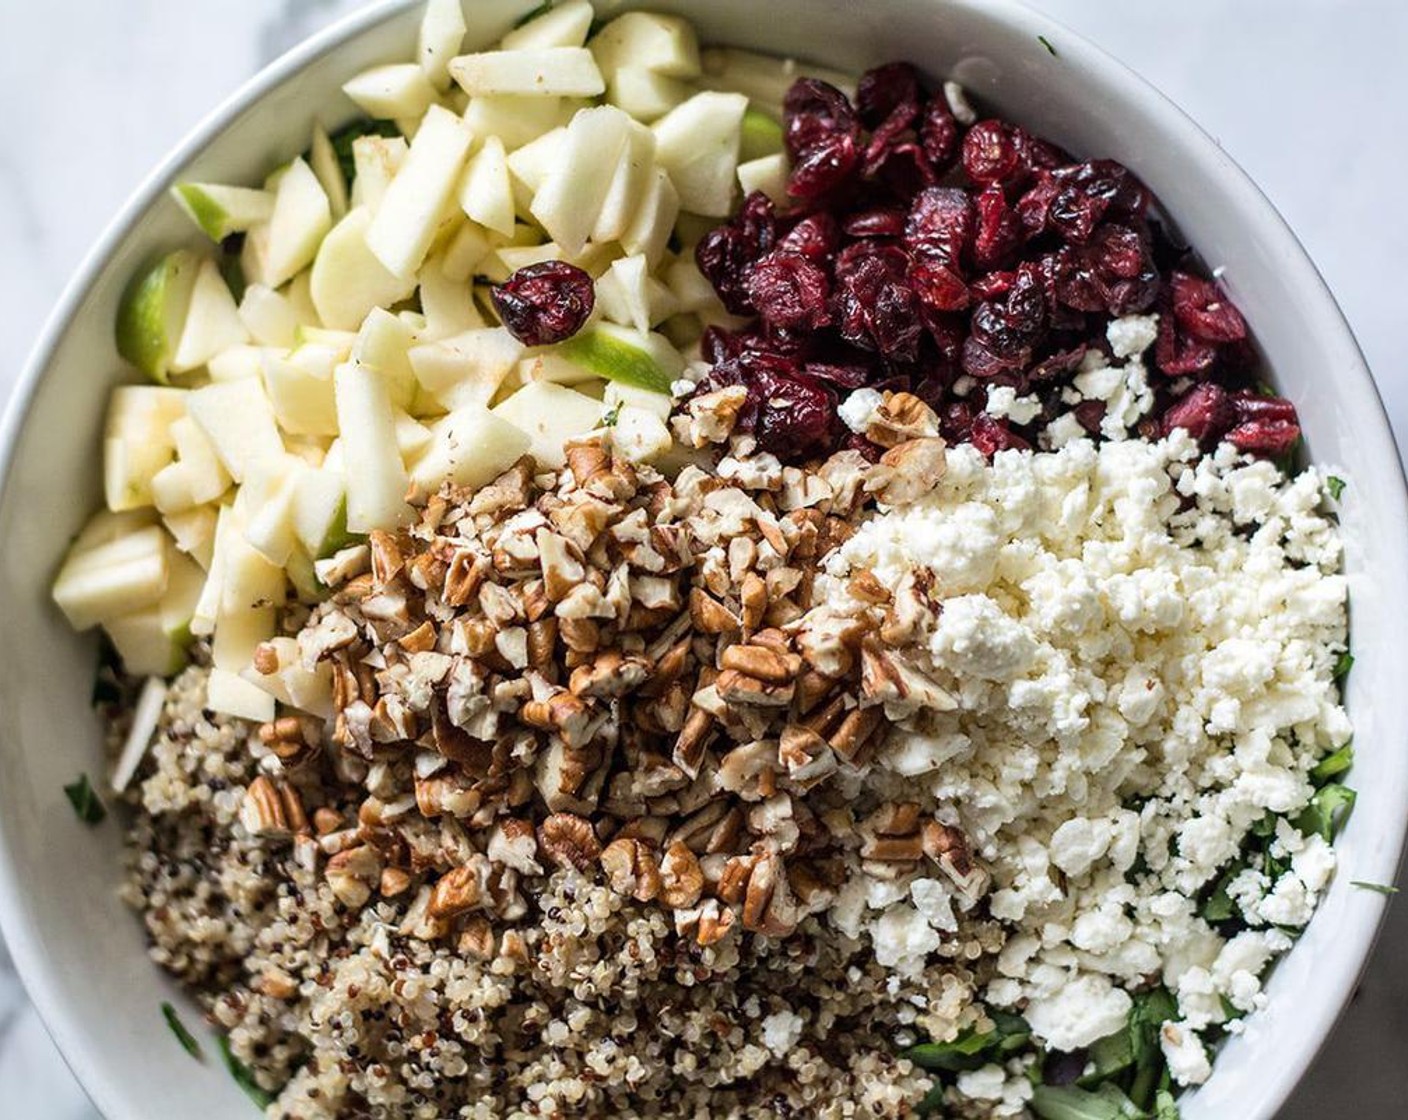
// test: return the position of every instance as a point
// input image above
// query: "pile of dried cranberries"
(920, 253)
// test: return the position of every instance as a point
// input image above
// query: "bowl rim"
(24, 940)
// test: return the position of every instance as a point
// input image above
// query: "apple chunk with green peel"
(616, 353)
(153, 312)
(220, 210)
(213, 322)
(154, 641)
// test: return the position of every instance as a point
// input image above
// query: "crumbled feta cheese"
(858, 410)
(1186, 1056)
(903, 938)
(1003, 402)
(781, 1030)
(1083, 1009)
(985, 1084)
(1132, 334)
(957, 99)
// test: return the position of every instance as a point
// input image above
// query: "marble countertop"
(1295, 90)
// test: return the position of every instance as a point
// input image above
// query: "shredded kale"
(1045, 42)
(1333, 765)
(972, 1050)
(1344, 665)
(244, 1077)
(1377, 888)
(1071, 1102)
(183, 1036)
(1335, 486)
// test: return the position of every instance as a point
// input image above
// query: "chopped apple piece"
(697, 143)
(550, 72)
(302, 217)
(220, 210)
(763, 78)
(664, 44)
(320, 512)
(619, 393)
(466, 250)
(406, 221)
(236, 363)
(412, 437)
(640, 435)
(442, 31)
(469, 447)
(138, 441)
(487, 194)
(550, 415)
(322, 158)
(194, 533)
(239, 421)
(650, 232)
(396, 90)
(690, 287)
(646, 94)
(348, 279)
(213, 322)
(615, 353)
(230, 694)
(113, 578)
(269, 316)
(468, 368)
(154, 641)
(767, 174)
(376, 477)
(153, 313)
(569, 200)
(759, 136)
(448, 304)
(302, 401)
(630, 182)
(384, 344)
(629, 295)
(238, 635)
(247, 580)
(291, 683)
(563, 25)
(516, 121)
(375, 159)
(105, 526)
(531, 164)
(197, 476)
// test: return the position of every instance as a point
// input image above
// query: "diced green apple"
(763, 78)
(105, 526)
(322, 159)
(448, 304)
(629, 183)
(302, 401)
(230, 694)
(412, 437)
(239, 421)
(197, 476)
(248, 581)
(338, 342)
(399, 89)
(376, 159)
(650, 232)
(269, 316)
(288, 244)
(550, 415)
(563, 25)
(194, 532)
(629, 295)
(153, 312)
(468, 368)
(320, 512)
(410, 213)
(569, 200)
(441, 36)
(267, 501)
(760, 136)
(646, 94)
(384, 343)
(348, 279)
(690, 287)
(291, 683)
(645, 360)
(640, 435)
(376, 476)
(138, 442)
(114, 578)
(220, 210)
(303, 578)
(486, 194)
(153, 642)
(697, 143)
(767, 174)
(464, 252)
(531, 164)
(630, 396)
(213, 322)
(238, 634)
(236, 363)
(514, 120)
(469, 447)
(548, 72)
(664, 44)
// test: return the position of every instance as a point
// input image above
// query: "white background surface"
(1307, 95)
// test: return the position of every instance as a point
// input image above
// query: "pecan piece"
(568, 840)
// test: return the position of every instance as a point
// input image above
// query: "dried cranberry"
(1089, 415)
(992, 153)
(876, 308)
(1034, 207)
(992, 286)
(1204, 311)
(1265, 425)
(939, 224)
(1178, 355)
(815, 236)
(845, 376)
(883, 221)
(789, 290)
(940, 135)
(1114, 273)
(726, 252)
(854, 441)
(1090, 193)
(938, 286)
(814, 113)
(901, 169)
(956, 421)
(823, 167)
(998, 233)
(1057, 364)
(1206, 412)
(990, 436)
(796, 416)
(883, 91)
(544, 303)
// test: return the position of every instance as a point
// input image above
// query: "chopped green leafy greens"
(1332, 765)
(1335, 486)
(85, 801)
(342, 142)
(1344, 664)
(243, 1076)
(1045, 42)
(1377, 888)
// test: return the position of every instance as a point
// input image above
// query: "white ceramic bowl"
(81, 952)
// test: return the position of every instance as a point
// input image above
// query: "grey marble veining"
(1295, 90)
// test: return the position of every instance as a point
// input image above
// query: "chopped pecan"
(568, 840)
(681, 879)
(632, 869)
(455, 892)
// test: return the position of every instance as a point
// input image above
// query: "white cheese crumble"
(858, 410)
(1141, 641)
(781, 1030)
(1003, 402)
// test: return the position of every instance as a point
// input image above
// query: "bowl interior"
(82, 951)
